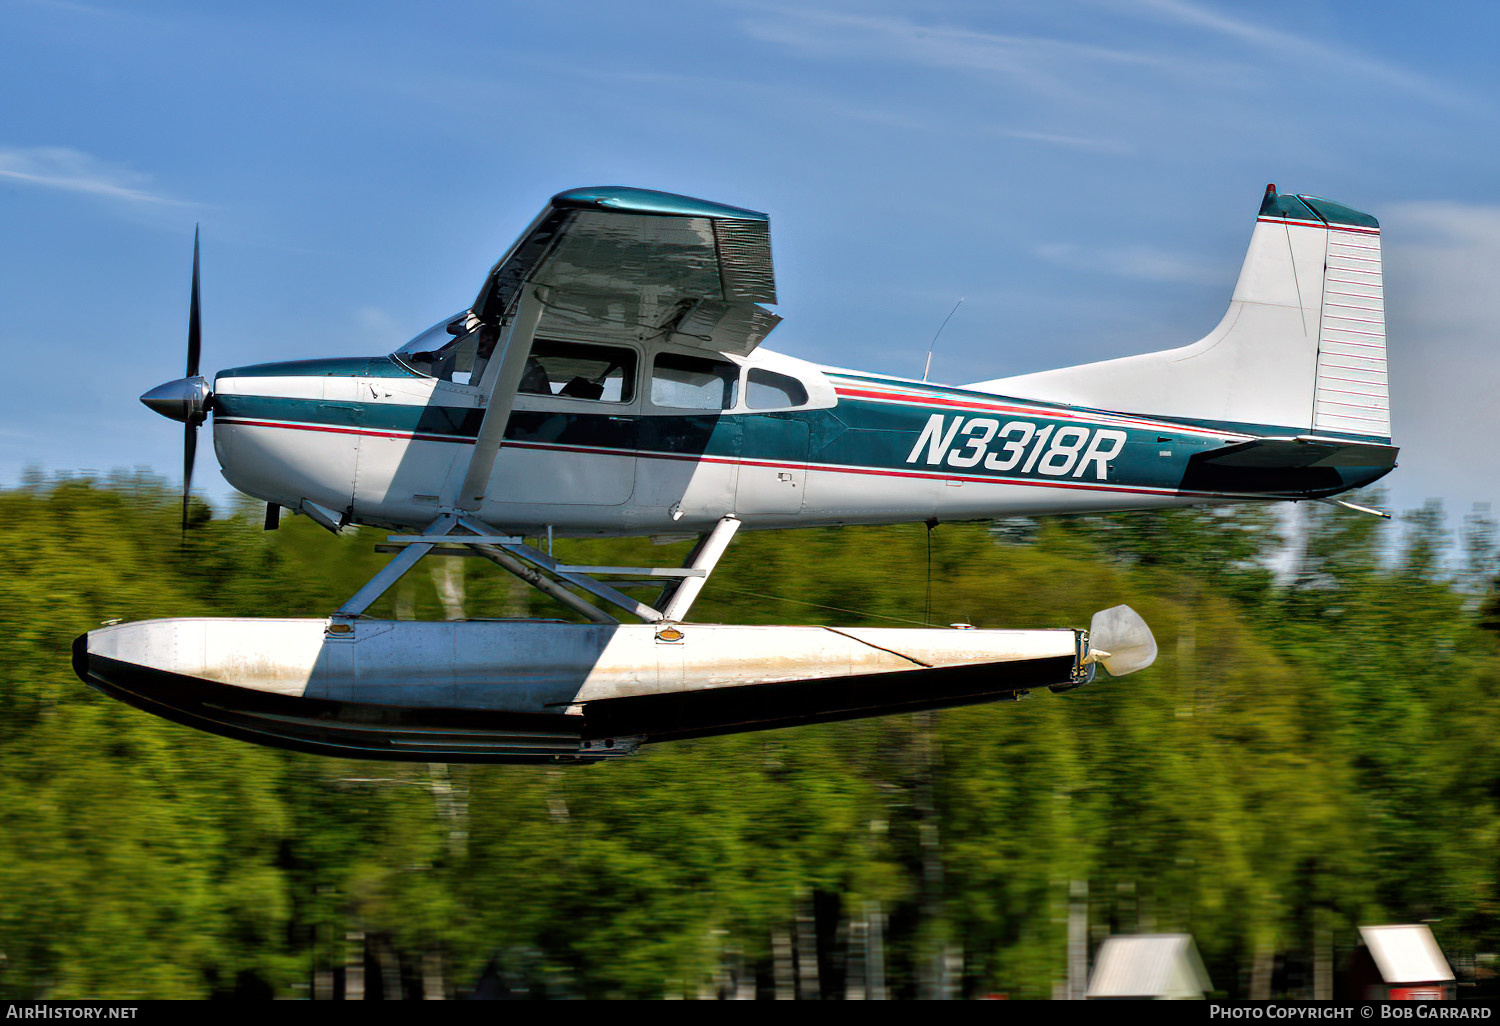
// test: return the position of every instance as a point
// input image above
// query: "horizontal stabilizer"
(1289, 453)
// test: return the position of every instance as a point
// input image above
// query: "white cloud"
(914, 120)
(1442, 268)
(1290, 47)
(1037, 63)
(1077, 142)
(70, 170)
(1144, 262)
(1443, 311)
(1206, 69)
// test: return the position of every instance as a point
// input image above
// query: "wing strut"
(502, 376)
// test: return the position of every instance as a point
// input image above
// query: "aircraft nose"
(186, 399)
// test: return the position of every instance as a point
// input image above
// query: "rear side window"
(693, 382)
(767, 390)
(579, 370)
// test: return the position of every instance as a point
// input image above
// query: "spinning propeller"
(1121, 641)
(189, 398)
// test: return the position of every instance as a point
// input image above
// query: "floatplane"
(610, 379)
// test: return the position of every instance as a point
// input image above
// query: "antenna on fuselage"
(928, 367)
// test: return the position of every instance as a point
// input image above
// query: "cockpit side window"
(693, 382)
(579, 370)
(767, 390)
(572, 370)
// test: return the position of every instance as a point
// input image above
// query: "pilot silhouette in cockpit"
(534, 379)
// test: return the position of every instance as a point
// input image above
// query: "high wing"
(615, 262)
(641, 264)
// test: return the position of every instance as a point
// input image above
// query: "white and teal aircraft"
(610, 379)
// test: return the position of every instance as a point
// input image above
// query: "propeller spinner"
(189, 398)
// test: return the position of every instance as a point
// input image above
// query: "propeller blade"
(1120, 639)
(189, 451)
(195, 331)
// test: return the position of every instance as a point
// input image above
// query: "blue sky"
(1085, 174)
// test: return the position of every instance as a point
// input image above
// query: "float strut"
(544, 584)
(395, 569)
(705, 557)
(377, 585)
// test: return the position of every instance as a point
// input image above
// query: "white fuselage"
(375, 443)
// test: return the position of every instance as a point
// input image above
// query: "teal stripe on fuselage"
(857, 433)
(341, 367)
(390, 367)
(961, 394)
(442, 421)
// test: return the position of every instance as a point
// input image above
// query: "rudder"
(1352, 395)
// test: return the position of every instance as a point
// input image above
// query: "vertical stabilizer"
(1301, 348)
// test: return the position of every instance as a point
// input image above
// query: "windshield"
(448, 356)
(433, 339)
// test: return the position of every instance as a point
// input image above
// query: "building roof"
(1148, 965)
(1406, 954)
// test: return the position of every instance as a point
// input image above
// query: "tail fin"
(1302, 347)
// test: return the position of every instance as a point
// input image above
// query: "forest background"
(1314, 750)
